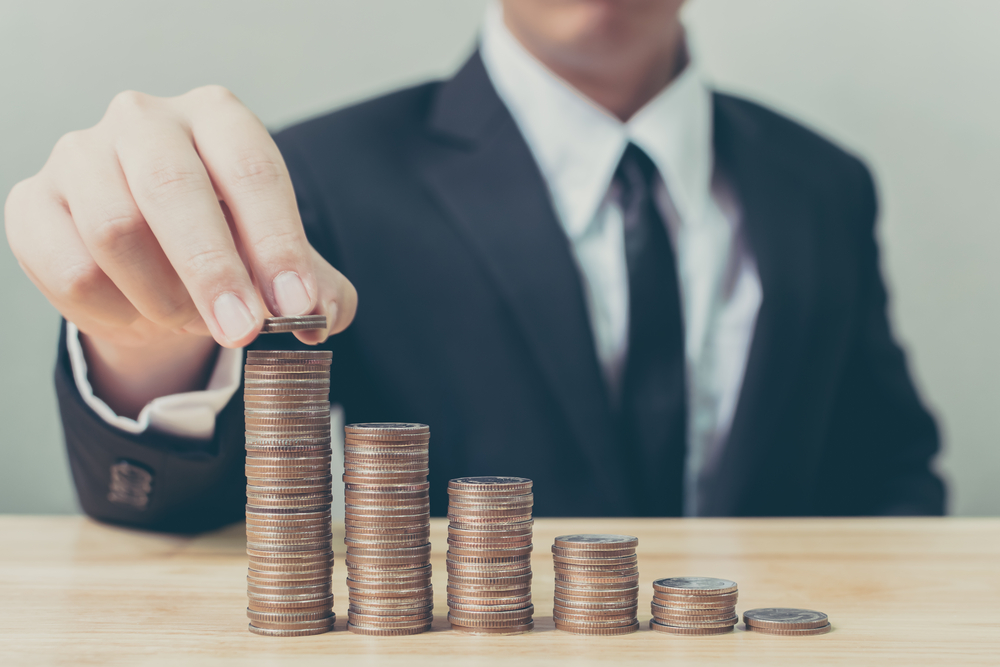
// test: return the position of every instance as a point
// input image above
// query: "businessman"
(572, 259)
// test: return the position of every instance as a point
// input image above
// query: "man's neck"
(621, 85)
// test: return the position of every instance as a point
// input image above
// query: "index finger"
(174, 193)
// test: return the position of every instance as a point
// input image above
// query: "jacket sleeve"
(151, 480)
(882, 439)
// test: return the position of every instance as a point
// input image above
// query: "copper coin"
(574, 592)
(511, 630)
(260, 445)
(725, 612)
(326, 623)
(285, 515)
(822, 630)
(472, 604)
(623, 603)
(385, 479)
(388, 488)
(388, 632)
(269, 617)
(627, 581)
(680, 623)
(694, 586)
(394, 621)
(311, 367)
(259, 604)
(582, 630)
(467, 617)
(660, 627)
(290, 354)
(288, 633)
(590, 553)
(613, 563)
(696, 601)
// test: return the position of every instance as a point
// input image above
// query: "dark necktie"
(652, 412)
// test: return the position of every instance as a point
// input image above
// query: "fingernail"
(290, 294)
(233, 316)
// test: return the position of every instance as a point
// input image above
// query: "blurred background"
(911, 85)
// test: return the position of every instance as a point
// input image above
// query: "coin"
(293, 323)
(670, 629)
(588, 630)
(597, 542)
(784, 618)
(821, 630)
(694, 586)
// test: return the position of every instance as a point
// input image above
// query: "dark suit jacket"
(472, 319)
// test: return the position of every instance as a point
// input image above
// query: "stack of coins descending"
(489, 555)
(694, 606)
(786, 621)
(388, 528)
(597, 584)
(288, 492)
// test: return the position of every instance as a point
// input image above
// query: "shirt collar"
(577, 144)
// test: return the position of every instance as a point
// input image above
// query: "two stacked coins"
(786, 621)
(288, 492)
(597, 584)
(489, 555)
(387, 517)
(694, 606)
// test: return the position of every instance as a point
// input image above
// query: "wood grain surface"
(898, 592)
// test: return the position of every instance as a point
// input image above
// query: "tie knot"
(635, 176)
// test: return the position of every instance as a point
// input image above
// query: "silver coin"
(696, 584)
(598, 539)
(786, 615)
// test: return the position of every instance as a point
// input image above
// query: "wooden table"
(906, 591)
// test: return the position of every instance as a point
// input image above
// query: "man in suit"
(575, 262)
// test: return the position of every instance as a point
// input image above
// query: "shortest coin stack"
(694, 606)
(786, 621)
(597, 584)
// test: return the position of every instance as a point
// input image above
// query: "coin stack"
(694, 606)
(288, 492)
(489, 555)
(597, 584)
(387, 528)
(786, 621)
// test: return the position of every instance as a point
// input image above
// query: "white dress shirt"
(578, 146)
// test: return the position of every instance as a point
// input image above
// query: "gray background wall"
(910, 84)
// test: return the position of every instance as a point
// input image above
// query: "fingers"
(337, 299)
(116, 234)
(45, 241)
(249, 173)
(175, 196)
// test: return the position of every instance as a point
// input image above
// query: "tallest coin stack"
(289, 491)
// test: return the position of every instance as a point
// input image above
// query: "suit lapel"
(780, 226)
(488, 182)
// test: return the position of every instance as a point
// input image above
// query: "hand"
(170, 220)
